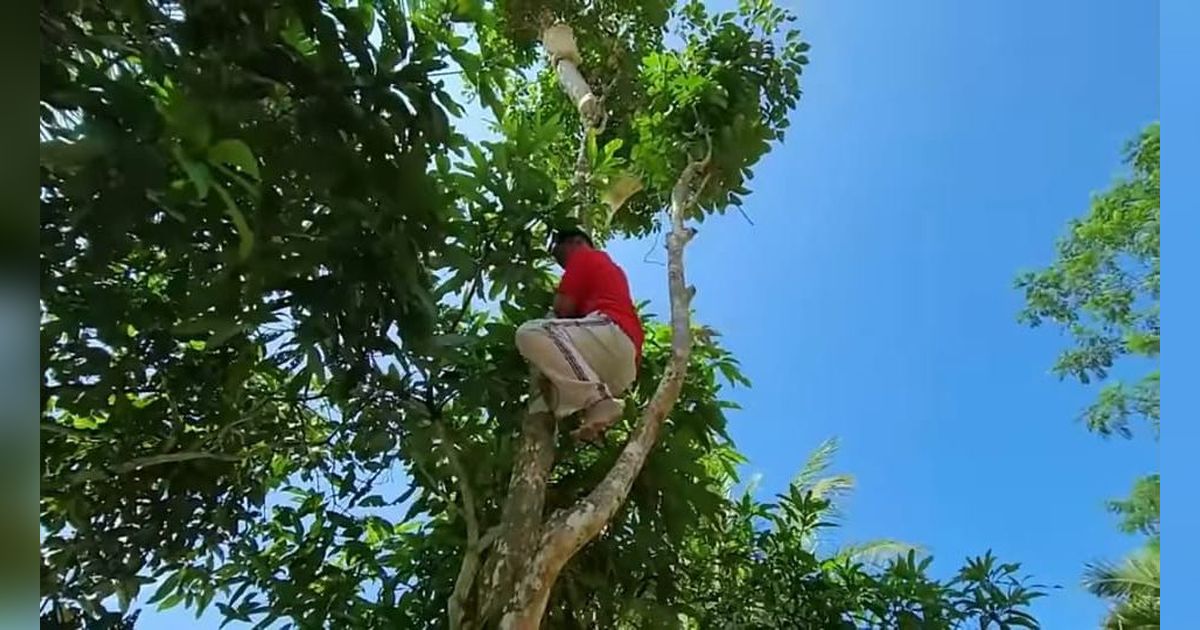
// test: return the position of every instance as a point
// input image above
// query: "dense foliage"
(279, 295)
(769, 566)
(1103, 289)
(235, 217)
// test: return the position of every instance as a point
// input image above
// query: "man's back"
(596, 284)
(587, 354)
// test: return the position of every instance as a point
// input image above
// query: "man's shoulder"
(599, 257)
(590, 258)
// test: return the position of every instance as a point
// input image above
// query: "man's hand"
(564, 307)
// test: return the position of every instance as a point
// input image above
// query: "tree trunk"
(568, 530)
(531, 551)
(521, 516)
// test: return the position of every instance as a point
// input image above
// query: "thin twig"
(62, 429)
(147, 462)
(476, 277)
(470, 563)
(653, 246)
(466, 305)
(362, 492)
(464, 483)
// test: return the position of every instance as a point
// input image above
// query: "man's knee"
(529, 335)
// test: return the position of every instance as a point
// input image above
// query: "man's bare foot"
(597, 419)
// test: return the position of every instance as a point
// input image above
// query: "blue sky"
(1181, 90)
(934, 155)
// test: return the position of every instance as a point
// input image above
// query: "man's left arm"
(566, 302)
(564, 306)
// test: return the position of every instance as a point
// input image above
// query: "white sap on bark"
(579, 91)
(559, 41)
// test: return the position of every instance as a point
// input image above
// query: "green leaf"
(234, 153)
(168, 586)
(372, 501)
(223, 334)
(202, 602)
(197, 173)
(126, 591)
(453, 340)
(245, 234)
(171, 601)
(188, 119)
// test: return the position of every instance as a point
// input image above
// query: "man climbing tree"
(588, 353)
(262, 233)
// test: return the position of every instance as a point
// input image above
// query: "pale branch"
(489, 537)
(579, 182)
(568, 530)
(470, 562)
(463, 584)
(464, 482)
(580, 93)
(582, 169)
(559, 42)
(595, 118)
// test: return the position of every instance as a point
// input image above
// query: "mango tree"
(686, 124)
(263, 239)
(282, 267)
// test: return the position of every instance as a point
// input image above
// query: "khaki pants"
(585, 360)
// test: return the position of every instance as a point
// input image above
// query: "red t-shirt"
(595, 283)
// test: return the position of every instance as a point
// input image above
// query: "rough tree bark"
(567, 531)
(521, 516)
(531, 550)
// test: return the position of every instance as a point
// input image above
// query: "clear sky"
(936, 153)
(940, 147)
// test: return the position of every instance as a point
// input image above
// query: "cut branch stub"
(559, 42)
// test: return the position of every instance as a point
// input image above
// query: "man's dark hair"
(566, 234)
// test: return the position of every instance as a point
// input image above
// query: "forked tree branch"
(568, 530)
(530, 553)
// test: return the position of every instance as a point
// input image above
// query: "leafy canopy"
(1104, 291)
(280, 289)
